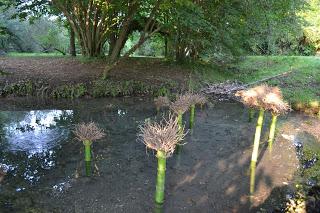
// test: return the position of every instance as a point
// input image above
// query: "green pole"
(87, 156)
(252, 178)
(272, 131)
(251, 114)
(161, 176)
(88, 168)
(178, 147)
(180, 122)
(158, 208)
(255, 151)
(192, 109)
(87, 151)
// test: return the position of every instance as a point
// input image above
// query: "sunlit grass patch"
(300, 86)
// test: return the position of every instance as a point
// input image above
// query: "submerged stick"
(192, 112)
(272, 130)
(161, 175)
(255, 151)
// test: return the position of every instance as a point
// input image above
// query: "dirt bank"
(62, 70)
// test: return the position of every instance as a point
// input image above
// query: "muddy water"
(45, 169)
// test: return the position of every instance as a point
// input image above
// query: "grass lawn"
(16, 54)
(301, 87)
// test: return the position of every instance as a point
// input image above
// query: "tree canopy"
(189, 29)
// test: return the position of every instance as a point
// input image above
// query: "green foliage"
(311, 28)
(103, 88)
(99, 88)
(153, 47)
(215, 31)
(21, 88)
(45, 35)
(69, 91)
(274, 26)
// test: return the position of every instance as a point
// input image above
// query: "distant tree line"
(183, 29)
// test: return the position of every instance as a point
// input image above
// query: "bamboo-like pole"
(192, 112)
(180, 122)
(272, 130)
(180, 125)
(255, 151)
(161, 175)
(251, 115)
(252, 178)
(87, 156)
(88, 168)
(158, 208)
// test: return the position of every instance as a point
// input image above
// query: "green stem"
(192, 110)
(272, 130)
(161, 176)
(251, 114)
(87, 156)
(252, 177)
(257, 136)
(255, 151)
(158, 208)
(180, 122)
(178, 146)
(88, 168)
(87, 151)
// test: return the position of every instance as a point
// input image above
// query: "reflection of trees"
(34, 131)
(29, 154)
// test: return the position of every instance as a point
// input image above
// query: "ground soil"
(62, 70)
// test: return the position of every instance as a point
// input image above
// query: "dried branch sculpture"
(263, 98)
(87, 133)
(163, 138)
(180, 106)
(276, 105)
(196, 99)
(161, 102)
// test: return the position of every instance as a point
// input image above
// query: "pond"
(45, 169)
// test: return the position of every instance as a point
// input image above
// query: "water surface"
(45, 168)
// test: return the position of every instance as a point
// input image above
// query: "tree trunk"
(120, 42)
(72, 43)
(112, 43)
(166, 46)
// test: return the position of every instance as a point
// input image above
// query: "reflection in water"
(34, 131)
(158, 208)
(28, 139)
